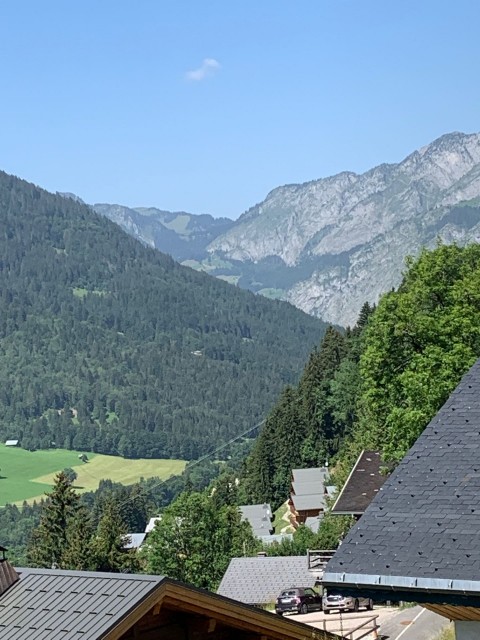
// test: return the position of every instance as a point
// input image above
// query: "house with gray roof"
(419, 539)
(308, 494)
(46, 604)
(260, 579)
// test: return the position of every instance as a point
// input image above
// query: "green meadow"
(27, 475)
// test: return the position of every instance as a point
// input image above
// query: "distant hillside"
(110, 346)
(331, 244)
(182, 235)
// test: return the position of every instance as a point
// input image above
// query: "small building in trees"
(11, 443)
(418, 540)
(308, 495)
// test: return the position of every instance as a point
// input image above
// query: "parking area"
(346, 622)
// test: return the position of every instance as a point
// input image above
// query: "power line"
(199, 460)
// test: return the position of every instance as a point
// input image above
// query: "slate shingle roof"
(422, 531)
(362, 485)
(259, 516)
(48, 604)
(259, 580)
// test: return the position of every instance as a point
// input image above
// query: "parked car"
(298, 600)
(334, 600)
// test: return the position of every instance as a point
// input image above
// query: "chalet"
(52, 604)
(418, 540)
(307, 494)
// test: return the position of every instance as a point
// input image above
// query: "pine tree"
(109, 542)
(49, 542)
(78, 554)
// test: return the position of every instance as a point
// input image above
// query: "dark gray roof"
(259, 516)
(259, 580)
(422, 531)
(362, 484)
(49, 604)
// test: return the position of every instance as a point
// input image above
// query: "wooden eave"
(456, 613)
(172, 596)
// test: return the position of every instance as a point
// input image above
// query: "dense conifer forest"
(110, 346)
(375, 386)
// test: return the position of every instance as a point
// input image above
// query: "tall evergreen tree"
(78, 554)
(109, 542)
(49, 540)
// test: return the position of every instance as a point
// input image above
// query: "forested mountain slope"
(108, 345)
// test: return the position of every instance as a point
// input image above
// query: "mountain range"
(329, 245)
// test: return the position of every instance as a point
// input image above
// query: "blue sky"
(206, 105)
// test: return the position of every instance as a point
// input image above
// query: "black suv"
(298, 600)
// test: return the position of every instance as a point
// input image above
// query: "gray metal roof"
(308, 488)
(317, 474)
(422, 531)
(331, 490)
(259, 580)
(51, 604)
(309, 502)
(152, 522)
(259, 516)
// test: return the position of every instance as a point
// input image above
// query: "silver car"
(333, 600)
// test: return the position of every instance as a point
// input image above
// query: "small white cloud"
(208, 67)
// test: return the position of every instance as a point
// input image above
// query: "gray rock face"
(347, 236)
(329, 245)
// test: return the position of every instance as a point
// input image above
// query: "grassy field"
(26, 475)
